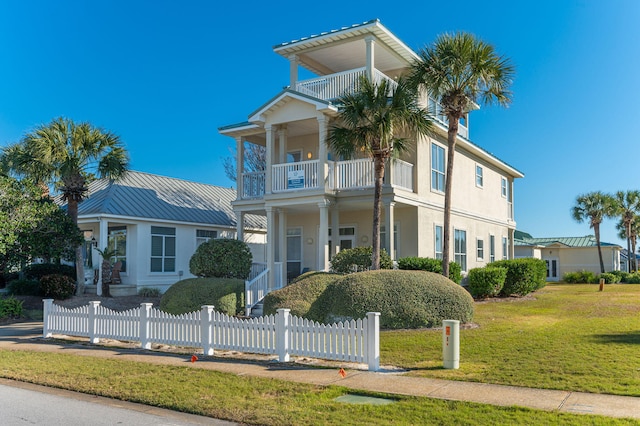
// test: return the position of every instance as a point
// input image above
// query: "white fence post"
(282, 334)
(145, 325)
(373, 340)
(206, 330)
(93, 312)
(48, 304)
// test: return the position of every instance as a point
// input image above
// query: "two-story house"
(316, 204)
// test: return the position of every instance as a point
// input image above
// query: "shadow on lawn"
(631, 338)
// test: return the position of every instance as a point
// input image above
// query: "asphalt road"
(27, 404)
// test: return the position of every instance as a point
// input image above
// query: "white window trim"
(435, 247)
(396, 241)
(504, 189)
(483, 248)
(494, 248)
(431, 169)
(164, 256)
(466, 248)
(505, 247)
(481, 185)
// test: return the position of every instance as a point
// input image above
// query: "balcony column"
(335, 230)
(269, 154)
(239, 167)
(370, 65)
(271, 246)
(103, 241)
(293, 71)
(282, 143)
(323, 167)
(240, 226)
(323, 238)
(388, 226)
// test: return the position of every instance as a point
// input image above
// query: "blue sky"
(164, 75)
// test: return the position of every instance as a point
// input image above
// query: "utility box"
(451, 344)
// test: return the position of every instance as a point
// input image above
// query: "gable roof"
(587, 241)
(148, 196)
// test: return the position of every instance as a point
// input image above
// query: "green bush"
(10, 307)
(431, 265)
(225, 294)
(580, 277)
(358, 259)
(221, 258)
(523, 275)
(149, 292)
(57, 286)
(608, 278)
(24, 288)
(633, 278)
(38, 270)
(405, 299)
(623, 275)
(486, 282)
(300, 295)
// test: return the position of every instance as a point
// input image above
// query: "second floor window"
(479, 177)
(503, 187)
(163, 249)
(437, 168)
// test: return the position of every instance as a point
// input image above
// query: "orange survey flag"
(194, 358)
(342, 373)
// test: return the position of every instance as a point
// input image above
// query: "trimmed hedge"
(580, 277)
(523, 275)
(405, 299)
(225, 294)
(24, 288)
(10, 307)
(300, 295)
(430, 265)
(486, 282)
(360, 257)
(623, 275)
(221, 258)
(38, 270)
(57, 286)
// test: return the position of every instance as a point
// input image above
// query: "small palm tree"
(594, 207)
(627, 205)
(380, 121)
(68, 155)
(107, 268)
(632, 236)
(459, 71)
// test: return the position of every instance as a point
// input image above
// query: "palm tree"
(634, 231)
(594, 207)
(68, 155)
(459, 71)
(627, 206)
(379, 120)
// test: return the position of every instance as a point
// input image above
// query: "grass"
(254, 400)
(567, 337)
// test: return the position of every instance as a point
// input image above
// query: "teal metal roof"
(587, 241)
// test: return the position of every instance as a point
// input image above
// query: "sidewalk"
(28, 336)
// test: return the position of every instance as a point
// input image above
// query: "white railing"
(253, 185)
(354, 174)
(257, 286)
(435, 109)
(402, 174)
(282, 334)
(292, 176)
(333, 86)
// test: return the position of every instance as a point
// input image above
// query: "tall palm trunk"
(633, 251)
(629, 252)
(378, 168)
(452, 134)
(72, 211)
(596, 230)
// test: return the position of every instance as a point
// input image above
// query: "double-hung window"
(505, 248)
(438, 241)
(479, 176)
(460, 248)
(437, 168)
(503, 187)
(480, 249)
(163, 249)
(204, 235)
(492, 248)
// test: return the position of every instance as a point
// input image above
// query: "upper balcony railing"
(340, 175)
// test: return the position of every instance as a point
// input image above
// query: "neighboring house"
(316, 204)
(624, 256)
(568, 254)
(155, 224)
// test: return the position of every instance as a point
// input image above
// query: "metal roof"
(148, 196)
(587, 241)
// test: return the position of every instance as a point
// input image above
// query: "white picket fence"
(282, 334)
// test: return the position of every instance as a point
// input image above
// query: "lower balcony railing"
(341, 175)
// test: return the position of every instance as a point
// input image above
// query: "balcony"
(340, 176)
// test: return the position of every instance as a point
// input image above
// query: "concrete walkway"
(28, 336)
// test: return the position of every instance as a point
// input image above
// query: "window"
(346, 239)
(460, 248)
(438, 241)
(505, 248)
(503, 187)
(87, 249)
(479, 176)
(117, 241)
(383, 240)
(204, 235)
(163, 249)
(437, 167)
(492, 248)
(294, 252)
(480, 249)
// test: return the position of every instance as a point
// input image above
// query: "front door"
(552, 268)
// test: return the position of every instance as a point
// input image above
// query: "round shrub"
(222, 258)
(10, 307)
(523, 275)
(608, 278)
(580, 277)
(405, 299)
(57, 286)
(358, 259)
(24, 288)
(38, 270)
(430, 265)
(486, 282)
(633, 278)
(624, 276)
(300, 295)
(225, 294)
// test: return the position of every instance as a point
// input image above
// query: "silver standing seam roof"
(148, 196)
